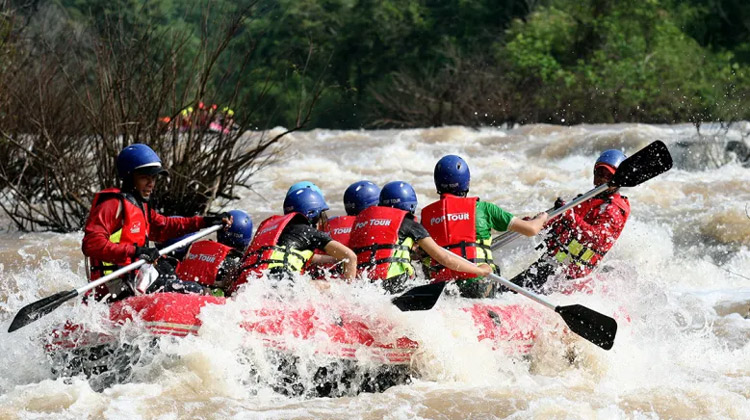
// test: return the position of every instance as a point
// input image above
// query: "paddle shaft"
(593, 326)
(645, 164)
(132, 266)
(510, 236)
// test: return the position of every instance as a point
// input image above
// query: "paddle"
(587, 323)
(420, 298)
(645, 164)
(42, 307)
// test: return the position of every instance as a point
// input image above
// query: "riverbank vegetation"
(79, 79)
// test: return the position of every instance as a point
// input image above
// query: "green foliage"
(547, 60)
(599, 61)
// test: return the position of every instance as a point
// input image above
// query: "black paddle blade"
(40, 308)
(420, 298)
(647, 163)
(589, 324)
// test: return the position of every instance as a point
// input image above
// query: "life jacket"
(264, 252)
(135, 229)
(340, 228)
(374, 238)
(203, 262)
(563, 244)
(451, 222)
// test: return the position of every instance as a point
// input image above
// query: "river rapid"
(680, 271)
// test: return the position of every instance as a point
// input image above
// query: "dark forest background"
(81, 79)
(433, 62)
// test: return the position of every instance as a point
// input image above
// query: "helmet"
(400, 195)
(304, 184)
(452, 175)
(138, 157)
(360, 196)
(240, 233)
(611, 158)
(306, 201)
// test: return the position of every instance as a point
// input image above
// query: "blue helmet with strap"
(138, 158)
(304, 184)
(238, 235)
(452, 175)
(360, 196)
(400, 195)
(307, 202)
(612, 158)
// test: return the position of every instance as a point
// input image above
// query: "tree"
(80, 93)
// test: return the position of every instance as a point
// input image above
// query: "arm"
(164, 228)
(603, 231)
(528, 227)
(451, 260)
(104, 220)
(341, 252)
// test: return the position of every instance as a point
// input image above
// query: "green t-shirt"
(490, 216)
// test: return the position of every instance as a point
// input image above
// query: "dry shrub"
(71, 98)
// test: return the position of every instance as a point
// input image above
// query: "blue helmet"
(306, 201)
(360, 196)
(180, 252)
(138, 157)
(304, 184)
(400, 195)
(240, 233)
(612, 158)
(452, 175)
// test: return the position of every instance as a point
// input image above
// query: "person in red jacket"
(284, 246)
(464, 224)
(357, 197)
(384, 236)
(121, 224)
(216, 264)
(578, 239)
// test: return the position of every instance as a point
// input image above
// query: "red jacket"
(374, 238)
(595, 224)
(204, 262)
(451, 222)
(106, 218)
(340, 228)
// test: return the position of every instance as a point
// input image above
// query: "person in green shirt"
(463, 225)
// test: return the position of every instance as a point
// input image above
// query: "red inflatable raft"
(376, 354)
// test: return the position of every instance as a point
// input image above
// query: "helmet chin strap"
(459, 194)
(128, 187)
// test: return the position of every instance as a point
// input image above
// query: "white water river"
(681, 270)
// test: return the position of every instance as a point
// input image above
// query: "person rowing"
(283, 247)
(121, 225)
(463, 225)
(384, 236)
(578, 240)
(216, 264)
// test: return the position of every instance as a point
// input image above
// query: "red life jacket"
(263, 252)
(202, 262)
(374, 239)
(135, 229)
(582, 256)
(340, 228)
(451, 222)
